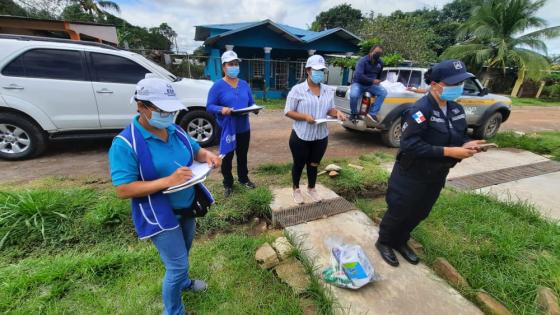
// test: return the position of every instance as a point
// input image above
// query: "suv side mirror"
(484, 91)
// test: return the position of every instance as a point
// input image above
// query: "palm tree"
(496, 40)
(97, 7)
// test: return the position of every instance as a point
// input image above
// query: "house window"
(280, 74)
(258, 68)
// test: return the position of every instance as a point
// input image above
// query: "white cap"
(316, 62)
(158, 92)
(229, 56)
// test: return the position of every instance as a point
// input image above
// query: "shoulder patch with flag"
(419, 117)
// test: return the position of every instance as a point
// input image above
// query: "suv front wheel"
(201, 126)
(20, 138)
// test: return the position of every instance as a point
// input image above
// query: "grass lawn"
(271, 103)
(71, 247)
(547, 142)
(73, 250)
(526, 101)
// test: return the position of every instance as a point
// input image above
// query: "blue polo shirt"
(222, 94)
(124, 163)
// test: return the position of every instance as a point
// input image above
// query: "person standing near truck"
(367, 78)
(434, 139)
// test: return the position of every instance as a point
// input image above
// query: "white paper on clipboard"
(200, 172)
(247, 109)
(325, 120)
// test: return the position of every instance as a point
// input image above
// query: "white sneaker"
(298, 197)
(312, 192)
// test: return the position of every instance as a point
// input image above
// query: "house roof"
(294, 34)
(25, 18)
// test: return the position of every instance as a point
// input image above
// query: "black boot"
(387, 254)
(249, 184)
(408, 254)
(228, 191)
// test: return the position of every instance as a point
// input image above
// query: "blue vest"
(153, 214)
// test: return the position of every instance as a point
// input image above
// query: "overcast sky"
(183, 15)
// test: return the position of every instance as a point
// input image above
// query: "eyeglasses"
(149, 105)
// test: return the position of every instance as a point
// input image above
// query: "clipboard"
(326, 120)
(247, 110)
(200, 173)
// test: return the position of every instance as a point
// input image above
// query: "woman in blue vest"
(149, 156)
(226, 95)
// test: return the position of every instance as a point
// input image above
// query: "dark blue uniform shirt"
(427, 129)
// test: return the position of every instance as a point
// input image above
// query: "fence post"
(189, 67)
(267, 51)
(214, 68)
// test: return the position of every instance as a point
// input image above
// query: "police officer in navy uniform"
(433, 140)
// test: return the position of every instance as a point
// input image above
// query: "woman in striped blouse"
(306, 102)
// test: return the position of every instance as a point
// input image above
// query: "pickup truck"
(485, 111)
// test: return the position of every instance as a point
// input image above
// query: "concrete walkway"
(539, 189)
(407, 289)
(542, 191)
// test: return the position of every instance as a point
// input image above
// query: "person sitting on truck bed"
(367, 78)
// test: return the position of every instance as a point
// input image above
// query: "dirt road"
(269, 143)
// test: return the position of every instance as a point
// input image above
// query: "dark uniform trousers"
(410, 197)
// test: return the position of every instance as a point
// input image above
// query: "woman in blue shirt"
(146, 159)
(224, 96)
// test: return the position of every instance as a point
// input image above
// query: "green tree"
(170, 34)
(494, 26)
(401, 35)
(342, 15)
(444, 23)
(40, 9)
(97, 8)
(139, 37)
(9, 7)
(74, 12)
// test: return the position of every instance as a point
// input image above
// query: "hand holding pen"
(181, 175)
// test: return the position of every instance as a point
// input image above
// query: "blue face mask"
(159, 121)
(317, 76)
(451, 93)
(232, 71)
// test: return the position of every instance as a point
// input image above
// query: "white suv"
(53, 89)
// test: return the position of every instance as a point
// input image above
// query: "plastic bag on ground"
(350, 267)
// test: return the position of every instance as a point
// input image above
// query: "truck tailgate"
(341, 100)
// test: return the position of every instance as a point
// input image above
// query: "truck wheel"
(350, 129)
(392, 136)
(20, 138)
(489, 128)
(201, 126)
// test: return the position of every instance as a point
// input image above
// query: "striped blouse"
(302, 100)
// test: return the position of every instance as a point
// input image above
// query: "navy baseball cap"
(450, 72)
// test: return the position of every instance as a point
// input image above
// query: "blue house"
(273, 54)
